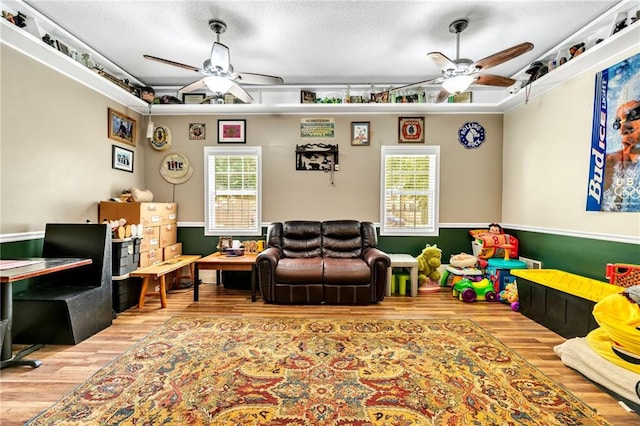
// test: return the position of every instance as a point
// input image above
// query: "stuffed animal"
(428, 263)
(463, 260)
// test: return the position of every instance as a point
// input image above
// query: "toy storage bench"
(561, 301)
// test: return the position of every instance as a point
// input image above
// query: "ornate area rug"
(240, 371)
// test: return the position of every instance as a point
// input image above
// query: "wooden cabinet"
(159, 225)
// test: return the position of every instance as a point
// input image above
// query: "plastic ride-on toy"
(470, 291)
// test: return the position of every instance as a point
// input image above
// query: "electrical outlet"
(336, 167)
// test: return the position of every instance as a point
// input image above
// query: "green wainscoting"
(580, 256)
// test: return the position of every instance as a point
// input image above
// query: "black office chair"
(67, 307)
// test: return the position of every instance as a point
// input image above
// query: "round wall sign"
(161, 139)
(471, 135)
(175, 168)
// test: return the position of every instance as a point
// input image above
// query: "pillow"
(141, 195)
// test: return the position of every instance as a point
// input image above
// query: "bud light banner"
(614, 170)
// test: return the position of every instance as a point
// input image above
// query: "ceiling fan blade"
(442, 96)
(168, 62)
(251, 78)
(240, 93)
(442, 61)
(220, 56)
(196, 85)
(503, 56)
(494, 80)
(421, 83)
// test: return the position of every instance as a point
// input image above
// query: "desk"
(403, 261)
(16, 270)
(160, 270)
(221, 262)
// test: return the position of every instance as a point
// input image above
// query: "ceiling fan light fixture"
(218, 84)
(457, 84)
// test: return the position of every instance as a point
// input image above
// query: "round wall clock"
(175, 168)
(161, 139)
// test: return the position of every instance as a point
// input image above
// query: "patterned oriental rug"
(249, 371)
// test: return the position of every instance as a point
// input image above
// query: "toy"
(463, 260)
(470, 291)
(493, 242)
(510, 296)
(428, 263)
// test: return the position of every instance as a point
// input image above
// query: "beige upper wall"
(546, 162)
(54, 151)
(56, 159)
(470, 179)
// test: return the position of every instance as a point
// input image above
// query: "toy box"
(499, 272)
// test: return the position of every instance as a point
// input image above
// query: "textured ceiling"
(316, 42)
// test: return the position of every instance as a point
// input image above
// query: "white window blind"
(409, 190)
(233, 190)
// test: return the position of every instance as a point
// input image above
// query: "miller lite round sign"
(175, 168)
(471, 135)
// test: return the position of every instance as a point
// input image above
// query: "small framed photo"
(307, 97)
(193, 98)
(121, 128)
(63, 48)
(461, 98)
(121, 159)
(411, 129)
(196, 131)
(225, 243)
(232, 131)
(380, 98)
(360, 133)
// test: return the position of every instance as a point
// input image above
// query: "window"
(409, 190)
(233, 190)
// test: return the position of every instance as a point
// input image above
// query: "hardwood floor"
(24, 392)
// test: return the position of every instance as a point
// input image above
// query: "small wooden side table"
(160, 270)
(222, 262)
(404, 261)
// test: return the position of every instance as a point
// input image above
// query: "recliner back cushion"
(301, 239)
(341, 238)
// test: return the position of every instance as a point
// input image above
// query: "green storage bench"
(561, 301)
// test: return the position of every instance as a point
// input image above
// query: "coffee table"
(222, 262)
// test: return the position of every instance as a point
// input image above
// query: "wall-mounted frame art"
(307, 97)
(411, 130)
(360, 133)
(197, 131)
(193, 98)
(122, 128)
(121, 158)
(232, 131)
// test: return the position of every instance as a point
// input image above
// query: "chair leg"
(143, 291)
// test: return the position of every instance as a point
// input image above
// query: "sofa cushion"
(299, 271)
(301, 239)
(346, 271)
(342, 239)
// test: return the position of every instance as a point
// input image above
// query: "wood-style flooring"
(24, 391)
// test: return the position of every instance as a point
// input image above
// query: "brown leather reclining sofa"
(312, 262)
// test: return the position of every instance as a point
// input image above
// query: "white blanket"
(577, 354)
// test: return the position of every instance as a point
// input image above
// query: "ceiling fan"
(220, 77)
(459, 74)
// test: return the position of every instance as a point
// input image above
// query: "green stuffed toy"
(428, 263)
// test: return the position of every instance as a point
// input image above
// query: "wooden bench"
(160, 271)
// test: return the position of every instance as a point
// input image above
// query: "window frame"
(396, 150)
(209, 228)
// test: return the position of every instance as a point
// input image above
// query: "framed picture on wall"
(360, 133)
(232, 131)
(121, 159)
(121, 128)
(411, 130)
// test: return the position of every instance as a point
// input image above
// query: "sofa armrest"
(266, 263)
(372, 255)
(378, 262)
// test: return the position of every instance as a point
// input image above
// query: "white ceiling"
(309, 42)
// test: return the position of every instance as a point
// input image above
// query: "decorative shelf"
(625, 42)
